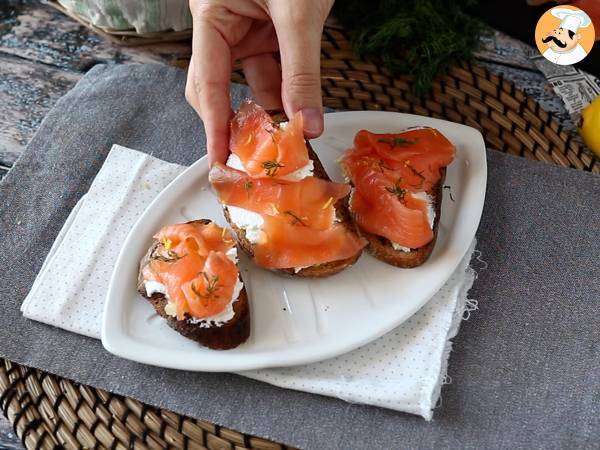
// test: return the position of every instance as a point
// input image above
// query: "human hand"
(252, 31)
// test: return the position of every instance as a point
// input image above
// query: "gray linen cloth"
(526, 366)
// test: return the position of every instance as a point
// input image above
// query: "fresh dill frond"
(421, 38)
(248, 187)
(397, 191)
(212, 285)
(271, 167)
(397, 141)
(171, 256)
(296, 219)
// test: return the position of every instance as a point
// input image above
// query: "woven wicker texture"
(509, 120)
(48, 411)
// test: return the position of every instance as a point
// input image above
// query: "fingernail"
(313, 121)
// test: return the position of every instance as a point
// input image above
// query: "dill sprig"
(397, 191)
(171, 256)
(414, 171)
(271, 167)
(382, 166)
(296, 219)
(271, 130)
(397, 141)
(422, 38)
(248, 187)
(212, 285)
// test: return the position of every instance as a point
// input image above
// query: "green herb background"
(422, 38)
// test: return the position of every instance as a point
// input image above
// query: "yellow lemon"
(590, 125)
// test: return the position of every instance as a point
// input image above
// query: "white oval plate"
(299, 321)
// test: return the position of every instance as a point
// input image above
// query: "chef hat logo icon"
(564, 35)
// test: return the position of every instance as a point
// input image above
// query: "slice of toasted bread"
(342, 214)
(382, 249)
(226, 336)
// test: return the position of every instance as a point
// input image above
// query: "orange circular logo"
(564, 35)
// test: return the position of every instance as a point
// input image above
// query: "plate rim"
(120, 344)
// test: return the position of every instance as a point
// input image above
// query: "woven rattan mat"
(48, 411)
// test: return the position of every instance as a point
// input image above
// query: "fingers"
(260, 67)
(260, 38)
(207, 88)
(299, 26)
(264, 77)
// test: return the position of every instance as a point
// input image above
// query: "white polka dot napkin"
(403, 370)
(79, 265)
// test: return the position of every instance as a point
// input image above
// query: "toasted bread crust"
(227, 336)
(319, 270)
(382, 249)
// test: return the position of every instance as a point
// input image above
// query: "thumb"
(299, 26)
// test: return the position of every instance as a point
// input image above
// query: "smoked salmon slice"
(266, 148)
(299, 217)
(417, 155)
(190, 260)
(295, 245)
(294, 219)
(309, 201)
(388, 171)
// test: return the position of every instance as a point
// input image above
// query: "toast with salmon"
(317, 270)
(397, 191)
(184, 273)
(383, 249)
(288, 215)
